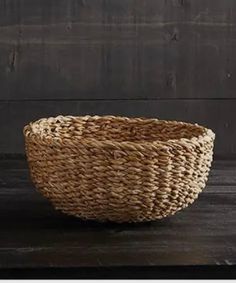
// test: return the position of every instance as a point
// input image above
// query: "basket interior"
(115, 129)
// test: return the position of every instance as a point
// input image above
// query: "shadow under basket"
(116, 168)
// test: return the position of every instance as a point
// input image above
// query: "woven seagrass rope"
(117, 168)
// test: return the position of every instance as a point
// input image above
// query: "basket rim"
(28, 133)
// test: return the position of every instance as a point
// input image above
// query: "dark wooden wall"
(172, 59)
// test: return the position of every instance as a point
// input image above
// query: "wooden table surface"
(38, 242)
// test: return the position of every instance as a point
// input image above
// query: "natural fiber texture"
(116, 168)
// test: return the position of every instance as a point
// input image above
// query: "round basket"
(116, 168)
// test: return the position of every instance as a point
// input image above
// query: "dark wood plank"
(124, 272)
(127, 11)
(36, 239)
(218, 115)
(34, 235)
(219, 177)
(117, 63)
(117, 49)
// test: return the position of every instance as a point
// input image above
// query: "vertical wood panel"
(118, 50)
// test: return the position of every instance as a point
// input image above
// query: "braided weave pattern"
(117, 168)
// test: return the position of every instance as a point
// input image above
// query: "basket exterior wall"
(118, 183)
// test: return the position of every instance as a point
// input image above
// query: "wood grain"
(33, 235)
(128, 11)
(117, 49)
(119, 57)
(171, 59)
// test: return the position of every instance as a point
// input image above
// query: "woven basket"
(117, 168)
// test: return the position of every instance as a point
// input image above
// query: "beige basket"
(117, 168)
